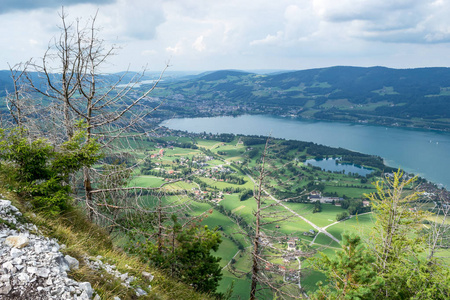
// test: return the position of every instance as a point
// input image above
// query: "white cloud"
(403, 21)
(175, 50)
(297, 24)
(199, 45)
(149, 52)
(127, 20)
(269, 39)
(204, 34)
(349, 10)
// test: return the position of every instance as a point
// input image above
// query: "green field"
(209, 144)
(221, 185)
(289, 176)
(326, 217)
(359, 224)
(241, 286)
(146, 181)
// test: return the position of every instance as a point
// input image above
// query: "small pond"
(334, 165)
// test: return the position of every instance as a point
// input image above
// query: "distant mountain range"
(6, 83)
(398, 97)
(395, 97)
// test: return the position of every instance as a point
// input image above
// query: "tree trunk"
(88, 195)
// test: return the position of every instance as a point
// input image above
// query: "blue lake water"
(333, 165)
(422, 152)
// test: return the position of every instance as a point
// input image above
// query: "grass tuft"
(83, 239)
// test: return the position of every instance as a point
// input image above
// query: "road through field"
(319, 229)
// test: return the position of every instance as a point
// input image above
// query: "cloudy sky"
(240, 34)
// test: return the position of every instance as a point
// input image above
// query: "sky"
(205, 35)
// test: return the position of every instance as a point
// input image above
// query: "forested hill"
(6, 83)
(377, 95)
(402, 97)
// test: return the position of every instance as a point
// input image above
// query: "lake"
(334, 165)
(422, 152)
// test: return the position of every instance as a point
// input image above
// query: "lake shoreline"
(406, 148)
(299, 118)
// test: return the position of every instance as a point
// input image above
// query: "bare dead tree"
(22, 107)
(256, 252)
(438, 231)
(14, 99)
(74, 93)
(265, 243)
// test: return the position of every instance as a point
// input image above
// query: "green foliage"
(244, 195)
(351, 272)
(29, 158)
(354, 206)
(400, 247)
(317, 207)
(185, 253)
(252, 153)
(40, 171)
(395, 265)
(195, 263)
(147, 166)
(342, 216)
(50, 195)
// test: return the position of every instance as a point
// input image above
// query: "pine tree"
(400, 247)
(184, 252)
(351, 272)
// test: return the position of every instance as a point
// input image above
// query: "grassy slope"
(82, 238)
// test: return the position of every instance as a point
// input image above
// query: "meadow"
(217, 206)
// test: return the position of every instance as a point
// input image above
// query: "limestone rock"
(24, 277)
(38, 271)
(63, 263)
(86, 286)
(5, 289)
(5, 203)
(83, 296)
(16, 253)
(9, 266)
(148, 275)
(74, 264)
(43, 272)
(140, 292)
(17, 241)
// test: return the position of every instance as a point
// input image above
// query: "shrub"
(41, 171)
(342, 216)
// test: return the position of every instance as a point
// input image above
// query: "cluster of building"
(160, 154)
(317, 196)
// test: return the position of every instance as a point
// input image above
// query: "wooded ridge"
(395, 97)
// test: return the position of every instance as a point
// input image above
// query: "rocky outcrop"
(126, 279)
(31, 265)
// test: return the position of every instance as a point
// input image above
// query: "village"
(215, 171)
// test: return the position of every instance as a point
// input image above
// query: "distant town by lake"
(422, 152)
